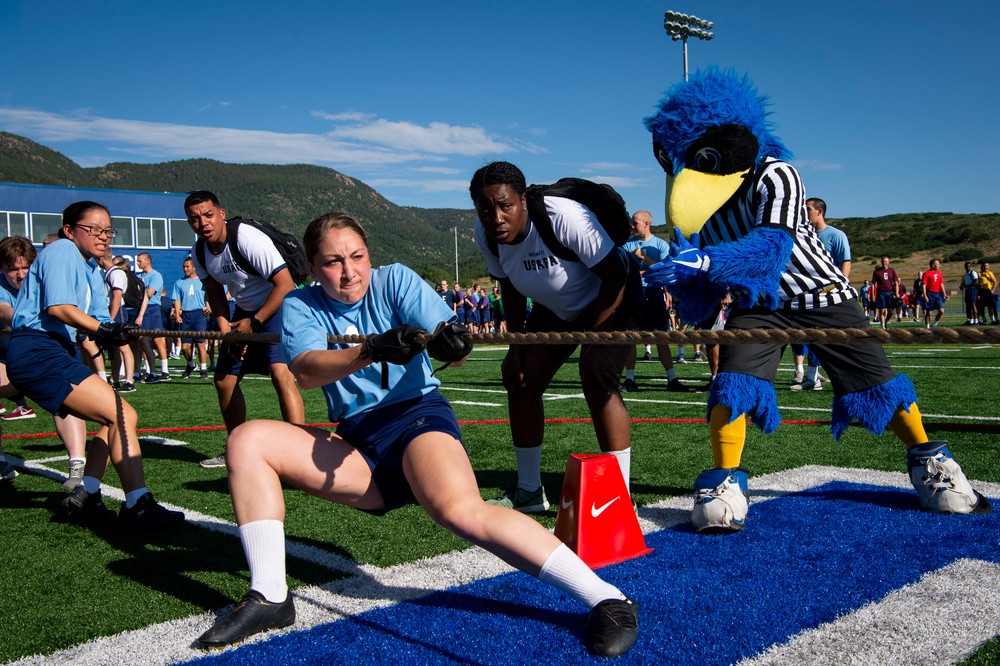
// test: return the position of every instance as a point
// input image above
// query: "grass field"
(64, 585)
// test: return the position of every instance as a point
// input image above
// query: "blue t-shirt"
(8, 296)
(153, 280)
(59, 276)
(396, 296)
(836, 243)
(655, 248)
(191, 294)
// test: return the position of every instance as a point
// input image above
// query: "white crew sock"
(264, 546)
(163, 366)
(625, 464)
(203, 367)
(529, 467)
(565, 571)
(799, 368)
(649, 349)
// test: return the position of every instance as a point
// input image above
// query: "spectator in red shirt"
(934, 293)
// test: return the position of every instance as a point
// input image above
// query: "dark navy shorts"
(935, 301)
(152, 321)
(45, 367)
(193, 321)
(240, 358)
(885, 300)
(381, 435)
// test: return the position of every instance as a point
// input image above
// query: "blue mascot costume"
(738, 212)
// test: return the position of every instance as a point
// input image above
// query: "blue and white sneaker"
(721, 500)
(940, 482)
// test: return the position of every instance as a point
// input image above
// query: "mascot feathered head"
(708, 135)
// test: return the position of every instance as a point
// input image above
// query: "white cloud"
(817, 165)
(366, 143)
(446, 171)
(356, 116)
(620, 181)
(421, 185)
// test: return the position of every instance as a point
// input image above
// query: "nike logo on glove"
(595, 510)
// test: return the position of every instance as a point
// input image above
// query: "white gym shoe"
(721, 501)
(799, 376)
(808, 385)
(940, 482)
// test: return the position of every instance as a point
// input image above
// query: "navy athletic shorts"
(885, 300)
(935, 301)
(152, 320)
(193, 321)
(381, 435)
(240, 358)
(45, 367)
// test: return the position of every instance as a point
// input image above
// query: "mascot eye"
(663, 157)
(707, 160)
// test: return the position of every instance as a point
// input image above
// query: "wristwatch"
(255, 325)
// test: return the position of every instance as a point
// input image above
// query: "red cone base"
(595, 517)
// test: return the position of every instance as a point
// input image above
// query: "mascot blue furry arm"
(712, 138)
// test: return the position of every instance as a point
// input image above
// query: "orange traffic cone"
(595, 518)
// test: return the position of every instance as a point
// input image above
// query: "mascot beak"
(694, 196)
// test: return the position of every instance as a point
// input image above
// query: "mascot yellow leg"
(908, 426)
(728, 437)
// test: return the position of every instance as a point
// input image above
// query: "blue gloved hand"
(686, 262)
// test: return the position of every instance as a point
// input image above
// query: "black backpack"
(135, 290)
(287, 245)
(602, 200)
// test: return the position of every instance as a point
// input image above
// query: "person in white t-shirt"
(258, 298)
(600, 292)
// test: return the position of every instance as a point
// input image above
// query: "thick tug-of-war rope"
(830, 336)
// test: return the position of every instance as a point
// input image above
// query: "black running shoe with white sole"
(612, 627)
(148, 513)
(253, 615)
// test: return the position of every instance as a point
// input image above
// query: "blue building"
(152, 222)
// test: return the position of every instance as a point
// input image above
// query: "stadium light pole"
(456, 255)
(681, 26)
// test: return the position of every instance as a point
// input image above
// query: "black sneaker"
(253, 615)
(150, 378)
(629, 386)
(164, 376)
(187, 372)
(647, 357)
(146, 512)
(204, 374)
(127, 387)
(675, 386)
(81, 506)
(612, 627)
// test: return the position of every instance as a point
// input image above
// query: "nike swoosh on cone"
(595, 511)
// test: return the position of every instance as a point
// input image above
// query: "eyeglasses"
(98, 231)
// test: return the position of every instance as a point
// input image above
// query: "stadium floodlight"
(681, 26)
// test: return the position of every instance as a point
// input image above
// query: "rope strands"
(829, 336)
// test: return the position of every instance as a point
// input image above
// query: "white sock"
(132, 496)
(630, 374)
(264, 546)
(625, 464)
(649, 349)
(103, 374)
(565, 571)
(529, 467)
(202, 367)
(799, 368)
(671, 375)
(91, 484)
(811, 373)
(79, 460)
(163, 366)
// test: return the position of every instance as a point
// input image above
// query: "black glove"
(111, 334)
(397, 345)
(448, 343)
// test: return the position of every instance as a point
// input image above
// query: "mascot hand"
(687, 261)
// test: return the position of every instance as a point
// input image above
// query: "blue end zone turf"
(803, 560)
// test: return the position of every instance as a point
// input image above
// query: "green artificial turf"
(74, 583)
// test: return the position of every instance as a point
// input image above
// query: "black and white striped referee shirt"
(777, 199)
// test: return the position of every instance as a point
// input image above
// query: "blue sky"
(888, 106)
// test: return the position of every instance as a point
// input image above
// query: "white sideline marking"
(372, 587)
(937, 620)
(475, 404)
